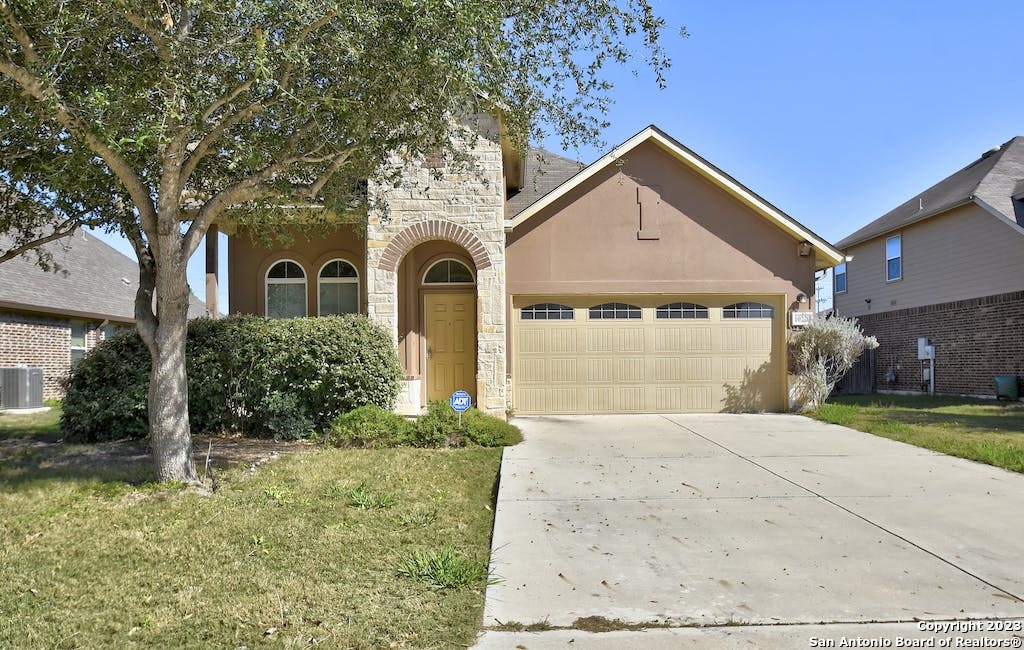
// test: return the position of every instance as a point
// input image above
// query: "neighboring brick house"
(647, 281)
(49, 319)
(947, 265)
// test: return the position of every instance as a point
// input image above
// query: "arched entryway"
(437, 318)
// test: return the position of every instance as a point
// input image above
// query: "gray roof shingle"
(544, 172)
(92, 279)
(992, 178)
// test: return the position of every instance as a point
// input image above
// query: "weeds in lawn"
(444, 569)
(278, 494)
(419, 518)
(361, 497)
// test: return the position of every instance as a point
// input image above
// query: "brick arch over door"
(423, 231)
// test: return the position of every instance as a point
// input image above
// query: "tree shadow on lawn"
(43, 458)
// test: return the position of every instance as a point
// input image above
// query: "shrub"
(253, 375)
(439, 427)
(822, 352)
(369, 426)
(105, 392)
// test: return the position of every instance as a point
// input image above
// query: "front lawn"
(319, 547)
(982, 430)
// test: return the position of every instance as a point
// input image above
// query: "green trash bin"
(1006, 387)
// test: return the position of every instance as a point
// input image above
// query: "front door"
(451, 344)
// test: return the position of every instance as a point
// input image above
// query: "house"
(50, 319)
(648, 281)
(947, 265)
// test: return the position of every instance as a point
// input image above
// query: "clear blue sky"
(836, 112)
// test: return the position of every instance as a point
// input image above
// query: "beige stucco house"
(648, 281)
(946, 265)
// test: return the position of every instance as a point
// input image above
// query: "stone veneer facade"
(41, 341)
(974, 340)
(466, 207)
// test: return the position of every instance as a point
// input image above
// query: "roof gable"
(825, 254)
(990, 181)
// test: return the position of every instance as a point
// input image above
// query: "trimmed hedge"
(247, 374)
(371, 426)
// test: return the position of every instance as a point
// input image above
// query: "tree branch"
(20, 35)
(60, 231)
(154, 35)
(48, 96)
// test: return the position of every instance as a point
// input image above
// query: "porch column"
(212, 267)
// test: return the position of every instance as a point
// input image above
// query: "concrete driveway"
(738, 529)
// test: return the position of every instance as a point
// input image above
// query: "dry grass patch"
(279, 557)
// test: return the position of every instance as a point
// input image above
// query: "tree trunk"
(169, 432)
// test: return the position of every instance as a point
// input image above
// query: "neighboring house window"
(681, 310)
(615, 310)
(840, 278)
(339, 289)
(448, 272)
(77, 341)
(286, 290)
(747, 310)
(109, 331)
(894, 258)
(546, 311)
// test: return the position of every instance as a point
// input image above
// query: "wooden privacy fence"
(861, 378)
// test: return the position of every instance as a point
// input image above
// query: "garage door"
(656, 355)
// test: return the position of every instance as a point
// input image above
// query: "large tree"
(152, 118)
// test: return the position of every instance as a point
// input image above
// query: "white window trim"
(424, 282)
(320, 280)
(835, 275)
(899, 257)
(267, 280)
(85, 339)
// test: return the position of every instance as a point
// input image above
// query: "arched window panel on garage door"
(614, 311)
(681, 310)
(546, 311)
(286, 290)
(748, 310)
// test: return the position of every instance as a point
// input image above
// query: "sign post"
(460, 401)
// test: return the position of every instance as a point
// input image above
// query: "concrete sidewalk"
(760, 520)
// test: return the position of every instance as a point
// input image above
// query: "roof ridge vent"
(991, 151)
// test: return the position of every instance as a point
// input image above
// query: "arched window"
(614, 310)
(338, 288)
(286, 290)
(448, 272)
(546, 311)
(747, 310)
(681, 310)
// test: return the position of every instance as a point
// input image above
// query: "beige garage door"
(652, 355)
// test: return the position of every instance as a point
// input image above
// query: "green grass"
(16, 425)
(283, 557)
(983, 430)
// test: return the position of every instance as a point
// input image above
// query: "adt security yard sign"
(461, 401)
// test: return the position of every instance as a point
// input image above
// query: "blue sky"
(836, 112)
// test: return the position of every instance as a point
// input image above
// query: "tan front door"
(451, 344)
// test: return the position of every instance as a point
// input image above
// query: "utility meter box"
(925, 349)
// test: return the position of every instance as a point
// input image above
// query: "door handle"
(429, 352)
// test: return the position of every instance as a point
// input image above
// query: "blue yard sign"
(461, 401)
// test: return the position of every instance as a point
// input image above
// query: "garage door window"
(546, 311)
(681, 310)
(614, 310)
(747, 310)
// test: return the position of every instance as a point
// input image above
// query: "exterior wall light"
(804, 248)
